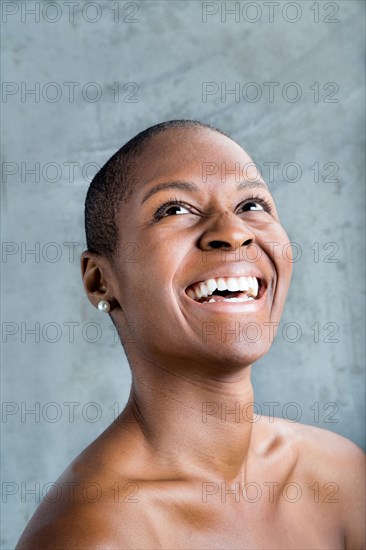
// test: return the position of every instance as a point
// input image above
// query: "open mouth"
(226, 289)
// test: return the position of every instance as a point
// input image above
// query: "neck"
(194, 425)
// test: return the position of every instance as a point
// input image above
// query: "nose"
(228, 232)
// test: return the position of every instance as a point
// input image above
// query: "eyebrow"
(194, 188)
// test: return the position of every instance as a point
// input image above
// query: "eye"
(257, 204)
(170, 206)
(252, 206)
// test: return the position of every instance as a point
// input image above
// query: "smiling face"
(228, 227)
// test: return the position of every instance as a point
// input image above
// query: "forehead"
(199, 153)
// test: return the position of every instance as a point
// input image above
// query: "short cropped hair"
(114, 185)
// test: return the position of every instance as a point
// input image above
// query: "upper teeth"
(206, 288)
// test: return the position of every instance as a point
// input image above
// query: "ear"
(94, 271)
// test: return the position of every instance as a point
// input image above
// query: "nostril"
(219, 244)
(223, 244)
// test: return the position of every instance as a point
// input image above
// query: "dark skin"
(163, 466)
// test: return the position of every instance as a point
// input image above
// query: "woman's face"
(220, 231)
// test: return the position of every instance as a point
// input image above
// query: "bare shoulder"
(101, 515)
(71, 529)
(313, 450)
(93, 505)
(324, 453)
(331, 453)
(99, 520)
(336, 467)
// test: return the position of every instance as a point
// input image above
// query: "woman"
(185, 253)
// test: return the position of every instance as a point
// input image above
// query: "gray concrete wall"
(181, 59)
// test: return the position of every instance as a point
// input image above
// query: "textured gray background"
(168, 53)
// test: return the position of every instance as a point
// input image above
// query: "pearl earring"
(104, 305)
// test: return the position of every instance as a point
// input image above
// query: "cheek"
(145, 283)
(279, 250)
(276, 243)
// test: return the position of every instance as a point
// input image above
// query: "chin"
(231, 357)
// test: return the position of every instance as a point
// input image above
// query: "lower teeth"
(246, 299)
